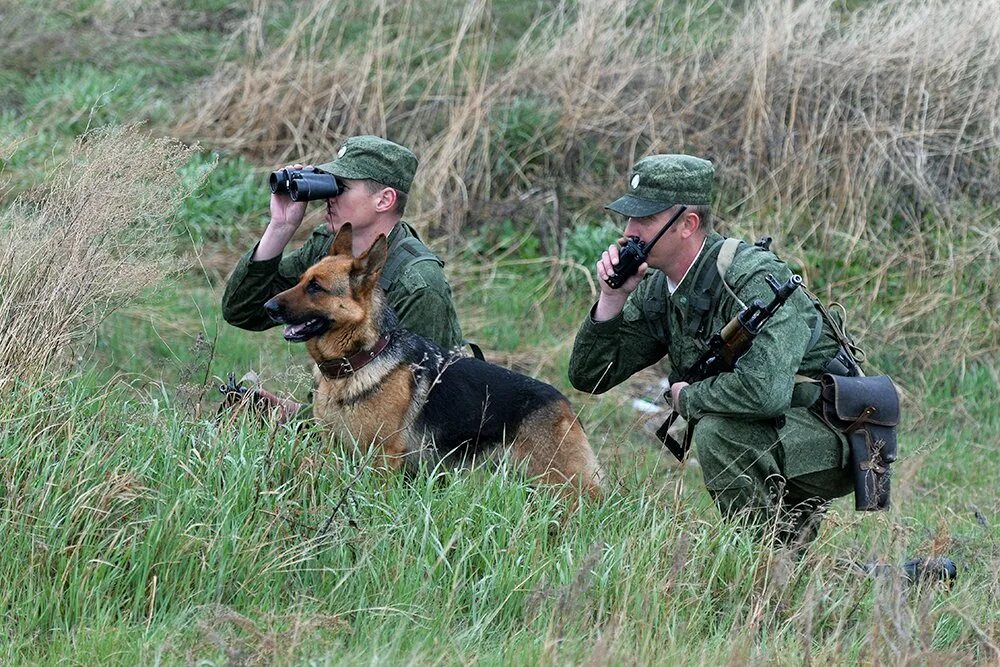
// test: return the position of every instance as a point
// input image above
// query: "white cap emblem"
(340, 153)
(635, 182)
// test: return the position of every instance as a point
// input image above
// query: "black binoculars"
(302, 185)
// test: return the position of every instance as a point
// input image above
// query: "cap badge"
(343, 149)
(634, 182)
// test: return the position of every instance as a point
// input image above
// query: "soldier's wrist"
(603, 326)
(608, 307)
(272, 243)
(257, 266)
(283, 227)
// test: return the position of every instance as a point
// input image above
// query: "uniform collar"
(398, 233)
(671, 287)
(681, 295)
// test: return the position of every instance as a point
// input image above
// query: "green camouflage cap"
(661, 181)
(374, 158)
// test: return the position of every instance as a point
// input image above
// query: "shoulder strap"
(726, 256)
(404, 254)
(706, 291)
(817, 329)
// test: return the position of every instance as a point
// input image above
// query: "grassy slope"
(139, 533)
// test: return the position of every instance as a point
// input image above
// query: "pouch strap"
(477, 351)
(861, 420)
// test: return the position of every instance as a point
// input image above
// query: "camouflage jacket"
(655, 324)
(413, 280)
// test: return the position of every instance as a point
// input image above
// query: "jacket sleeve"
(252, 283)
(762, 382)
(607, 353)
(422, 300)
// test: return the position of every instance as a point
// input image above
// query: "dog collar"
(340, 367)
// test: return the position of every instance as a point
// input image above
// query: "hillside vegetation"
(135, 138)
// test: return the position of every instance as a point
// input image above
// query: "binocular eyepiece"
(302, 185)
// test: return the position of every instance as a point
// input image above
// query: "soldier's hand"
(606, 267)
(611, 301)
(284, 211)
(675, 395)
(286, 217)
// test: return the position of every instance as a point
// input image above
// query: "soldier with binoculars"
(367, 185)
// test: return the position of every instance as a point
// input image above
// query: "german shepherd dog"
(384, 387)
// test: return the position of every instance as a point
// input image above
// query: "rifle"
(724, 350)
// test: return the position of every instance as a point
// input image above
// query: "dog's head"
(333, 293)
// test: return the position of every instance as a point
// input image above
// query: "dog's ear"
(378, 254)
(368, 267)
(343, 241)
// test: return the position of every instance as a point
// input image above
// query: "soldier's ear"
(693, 223)
(386, 201)
(343, 241)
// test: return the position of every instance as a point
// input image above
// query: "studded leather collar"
(340, 367)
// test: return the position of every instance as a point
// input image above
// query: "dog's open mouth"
(303, 331)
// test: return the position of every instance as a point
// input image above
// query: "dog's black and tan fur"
(414, 401)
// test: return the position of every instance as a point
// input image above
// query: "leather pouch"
(866, 409)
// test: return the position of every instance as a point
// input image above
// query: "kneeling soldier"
(759, 444)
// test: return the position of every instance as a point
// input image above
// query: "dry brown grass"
(873, 134)
(893, 108)
(96, 238)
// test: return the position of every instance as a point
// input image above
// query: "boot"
(924, 569)
(937, 568)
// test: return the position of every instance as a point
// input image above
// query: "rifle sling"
(706, 291)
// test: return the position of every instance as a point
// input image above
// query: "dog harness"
(340, 367)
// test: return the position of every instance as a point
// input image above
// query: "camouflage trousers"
(774, 476)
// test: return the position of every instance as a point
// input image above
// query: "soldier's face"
(354, 205)
(648, 227)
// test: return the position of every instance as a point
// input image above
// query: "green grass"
(227, 203)
(452, 567)
(224, 521)
(112, 487)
